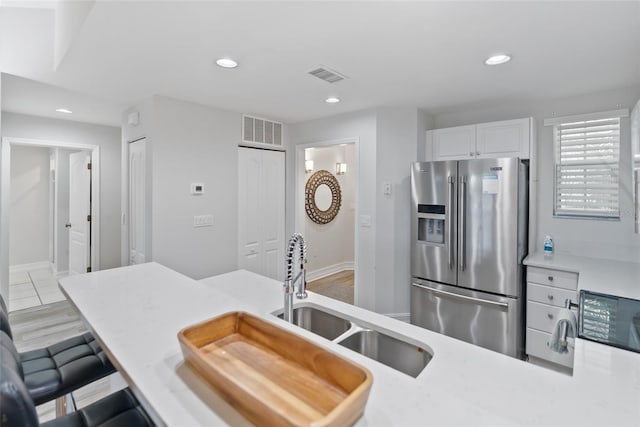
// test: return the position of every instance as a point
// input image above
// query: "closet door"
(272, 213)
(137, 202)
(261, 186)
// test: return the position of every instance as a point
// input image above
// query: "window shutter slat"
(587, 168)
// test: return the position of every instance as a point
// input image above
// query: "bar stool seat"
(54, 371)
(120, 409)
(59, 369)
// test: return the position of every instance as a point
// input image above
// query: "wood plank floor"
(337, 286)
(44, 325)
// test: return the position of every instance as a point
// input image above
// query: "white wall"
(189, 143)
(388, 143)
(397, 146)
(594, 238)
(331, 246)
(360, 125)
(29, 225)
(108, 138)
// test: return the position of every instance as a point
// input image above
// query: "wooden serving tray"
(274, 377)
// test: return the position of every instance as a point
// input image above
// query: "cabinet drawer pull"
(550, 316)
(550, 278)
(477, 153)
(470, 153)
(550, 297)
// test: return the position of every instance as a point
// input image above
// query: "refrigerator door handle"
(501, 305)
(450, 219)
(463, 222)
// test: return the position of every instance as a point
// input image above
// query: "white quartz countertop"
(137, 311)
(594, 274)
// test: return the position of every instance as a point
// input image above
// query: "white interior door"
(272, 213)
(261, 210)
(79, 224)
(137, 196)
(249, 218)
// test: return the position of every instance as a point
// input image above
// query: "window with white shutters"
(587, 168)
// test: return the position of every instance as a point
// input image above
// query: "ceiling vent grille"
(262, 131)
(329, 76)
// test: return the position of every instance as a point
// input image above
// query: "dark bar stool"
(120, 409)
(53, 372)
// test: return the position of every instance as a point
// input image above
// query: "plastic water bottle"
(548, 245)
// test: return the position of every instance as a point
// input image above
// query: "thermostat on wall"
(197, 188)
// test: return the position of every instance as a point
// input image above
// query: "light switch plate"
(203, 220)
(386, 188)
(365, 221)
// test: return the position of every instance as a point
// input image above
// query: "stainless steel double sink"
(399, 353)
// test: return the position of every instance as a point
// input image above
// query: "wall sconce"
(308, 166)
(341, 168)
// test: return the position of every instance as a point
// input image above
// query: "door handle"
(463, 222)
(450, 219)
(68, 225)
(451, 295)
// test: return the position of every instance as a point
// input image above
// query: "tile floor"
(34, 288)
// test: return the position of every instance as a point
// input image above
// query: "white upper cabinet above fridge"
(508, 138)
(456, 143)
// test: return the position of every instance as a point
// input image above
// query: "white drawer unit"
(555, 278)
(537, 345)
(542, 317)
(547, 293)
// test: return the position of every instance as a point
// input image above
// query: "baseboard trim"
(24, 268)
(328, 271)
(403, 317)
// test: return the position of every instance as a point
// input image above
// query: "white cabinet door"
(137, 202)
(272, 192)
(79, 209)
(261, 210)
(509, 138)
(457, 143)
(250, 241)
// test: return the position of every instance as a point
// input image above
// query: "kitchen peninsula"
(136, 313)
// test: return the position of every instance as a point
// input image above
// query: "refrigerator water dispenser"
(431, 223)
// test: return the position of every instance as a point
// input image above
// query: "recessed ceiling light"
(498, 59)
(332, 100)
(226, 63)
(63, 110)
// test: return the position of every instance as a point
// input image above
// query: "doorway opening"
(49, 218)
(331, 245)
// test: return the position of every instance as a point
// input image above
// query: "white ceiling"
(424, 54)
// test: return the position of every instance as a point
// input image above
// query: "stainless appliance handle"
(450, 215)
(502, 305)
(463, 222)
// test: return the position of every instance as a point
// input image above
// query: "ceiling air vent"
(262, 131)
(327, 75)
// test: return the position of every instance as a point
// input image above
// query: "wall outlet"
(203, 220)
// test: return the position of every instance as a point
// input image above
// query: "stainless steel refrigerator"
(469, 228)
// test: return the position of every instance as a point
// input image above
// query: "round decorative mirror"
(322, 197)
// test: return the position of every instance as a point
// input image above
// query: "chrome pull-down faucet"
(290, 281)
